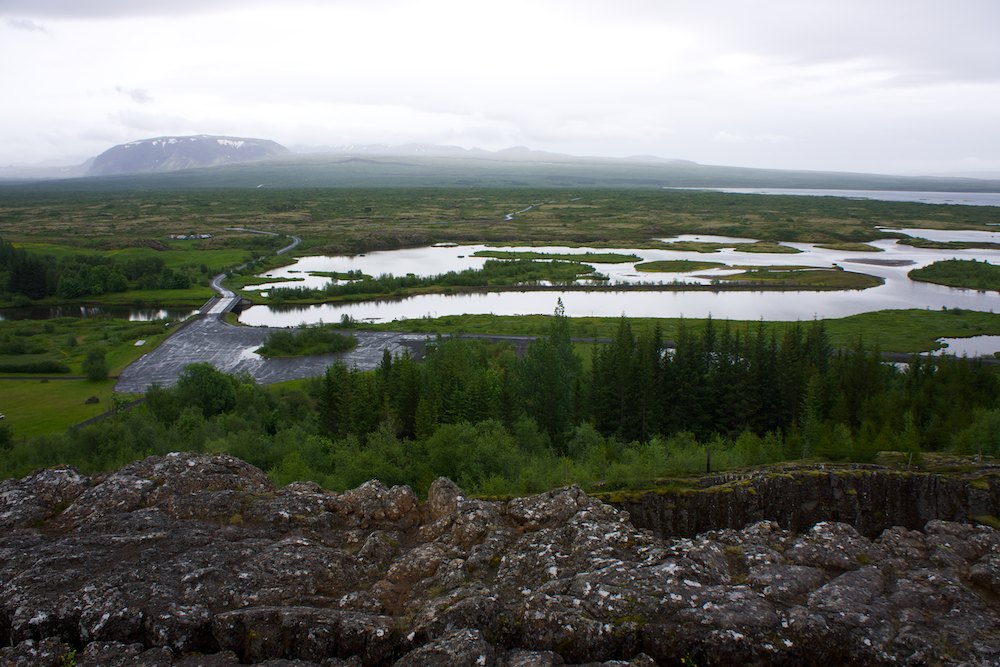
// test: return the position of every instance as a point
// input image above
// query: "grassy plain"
(37, 407)
(904, 331)
(136, 223)
(849, 247)
(591, 257)
(348, 220)
(678, 266)
(950, 245)
(709, 247)
(67, 340)
(811, 278)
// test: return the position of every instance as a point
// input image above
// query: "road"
(227, 300)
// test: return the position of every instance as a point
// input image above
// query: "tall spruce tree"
(549, 371)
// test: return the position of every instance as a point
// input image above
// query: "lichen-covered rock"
(116, 654)
(260, 633)
(49, 652)
(199, 560)
(460, 648)
(38, 496)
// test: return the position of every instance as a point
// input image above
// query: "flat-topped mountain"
(174, 153)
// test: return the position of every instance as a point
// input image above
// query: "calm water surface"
(132, 314)
(973, 346)
(898, 292)
(957, 198)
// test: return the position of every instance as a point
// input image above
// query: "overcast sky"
(894, 86)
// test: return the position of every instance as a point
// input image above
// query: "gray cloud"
(102, 9)
(26, 25)
(138, 95)
(108, 8)
(847, 84)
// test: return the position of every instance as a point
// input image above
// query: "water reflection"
(788, 306)
(131, 314)
(956, 198)
(429, 261)
(973, 346)
(891, 262)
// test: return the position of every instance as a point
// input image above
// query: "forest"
(624, 414)
(30, 276)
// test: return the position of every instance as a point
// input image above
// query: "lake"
(898, 292)
(956, 198)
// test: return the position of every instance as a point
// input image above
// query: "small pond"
(973, 346)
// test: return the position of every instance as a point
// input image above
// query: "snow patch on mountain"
(162, 154)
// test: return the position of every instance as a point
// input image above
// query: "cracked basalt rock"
(200, 560)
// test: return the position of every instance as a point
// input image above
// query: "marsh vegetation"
(621, 414)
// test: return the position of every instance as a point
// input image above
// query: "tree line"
(496, 422)
(33, 276)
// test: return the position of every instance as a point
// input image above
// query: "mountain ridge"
(238, 162)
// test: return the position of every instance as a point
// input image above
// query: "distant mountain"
(164, 154)
(232, 162)
(43, 171)
(516, 154)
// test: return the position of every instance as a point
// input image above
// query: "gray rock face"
(200, 560)
(869, 498)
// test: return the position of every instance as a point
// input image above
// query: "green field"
(904, 331)
(834, 279)
(177, 254)
(849, 247)
(37, 407)
(66, 340)
(678, 266)
(709, 247)
(592, 257)
(950, 245)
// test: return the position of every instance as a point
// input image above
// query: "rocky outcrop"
(199, 560)
(870, 498)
